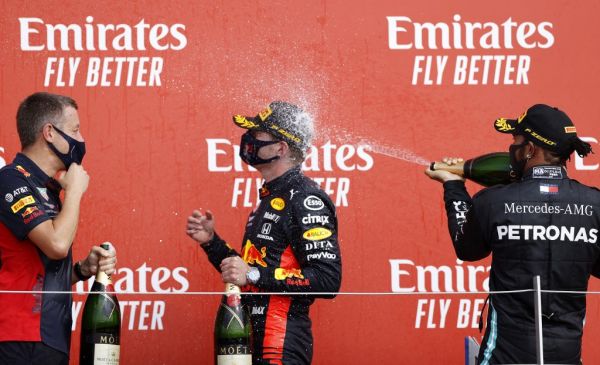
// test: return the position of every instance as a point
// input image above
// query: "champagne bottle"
(487, 170)
(101, 324)
(233, 330)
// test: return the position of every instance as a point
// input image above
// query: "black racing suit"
(545, 224)
(291, 237)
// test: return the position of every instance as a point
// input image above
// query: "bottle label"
(227, 350)
(232, 289)
(103, 279)
(105, 354)
(234, 360)
(104, 339)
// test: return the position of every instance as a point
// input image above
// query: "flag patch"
(548, 189)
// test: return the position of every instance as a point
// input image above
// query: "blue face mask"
(249, 148)
(74, 154)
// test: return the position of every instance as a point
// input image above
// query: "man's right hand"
(75, 180)
(201, 227)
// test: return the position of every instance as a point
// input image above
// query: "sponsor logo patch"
(313, 203)
(265, 114)
(317, 234)
(570, 129)
(22, 203)
(282, 274)
(252, 256)
(547, 172)
(515, 232)
(44, 193)
(32, 216)
(272, 216)
(266, 228)
(28, 211)
(312, 219)
(321, 245)
(278, 204)
(321, 256)
(18, 191)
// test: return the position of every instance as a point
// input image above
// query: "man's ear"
(48, 132)
(283, 148)
(531, 150)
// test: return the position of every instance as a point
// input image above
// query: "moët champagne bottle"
(487, 170)
(233, 330)
(101, 324)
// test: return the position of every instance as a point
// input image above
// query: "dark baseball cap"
(546, 126)
(285, 121)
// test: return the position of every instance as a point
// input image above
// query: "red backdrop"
(157, 84)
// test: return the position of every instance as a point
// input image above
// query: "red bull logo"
(28, 211)
(282, 274)
(23, 171)
(252, 256)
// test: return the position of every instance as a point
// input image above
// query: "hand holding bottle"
(445, 175)
(100, 259)
(487, 170)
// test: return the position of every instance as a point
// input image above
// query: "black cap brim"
(507, 126)
(247, 122)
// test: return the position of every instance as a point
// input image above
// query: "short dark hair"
(297, 155)
(38, 109)
(555, 159)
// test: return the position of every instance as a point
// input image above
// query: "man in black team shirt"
(37, 230)
(543, 224)
(291, 238)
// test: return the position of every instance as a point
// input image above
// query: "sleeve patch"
(22, 203)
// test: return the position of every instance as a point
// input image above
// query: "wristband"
(78, 273)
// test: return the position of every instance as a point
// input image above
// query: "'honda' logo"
(266, 228)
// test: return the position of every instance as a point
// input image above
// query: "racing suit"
(291, 238)
(545, 224)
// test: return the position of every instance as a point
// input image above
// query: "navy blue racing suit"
(546, 224)
(292, 238)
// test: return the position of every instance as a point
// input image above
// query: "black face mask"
(516, 167)
(75, 153)
(249, 148)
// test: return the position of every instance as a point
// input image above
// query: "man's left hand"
(443, 176)
(233, 270)
(100, 259)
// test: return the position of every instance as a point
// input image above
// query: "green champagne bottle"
(233, 330)
(101, 324)
(487, 170)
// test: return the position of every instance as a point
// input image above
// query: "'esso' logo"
(313, 203)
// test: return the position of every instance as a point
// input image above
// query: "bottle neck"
(103, 279)
(232, 289)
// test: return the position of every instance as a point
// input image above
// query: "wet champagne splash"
(340, 135)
